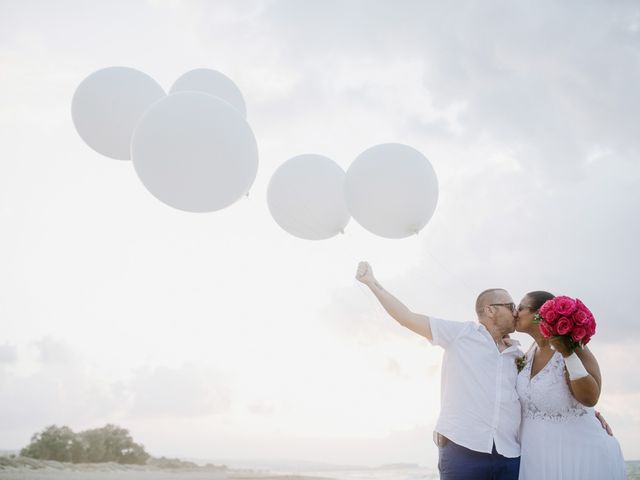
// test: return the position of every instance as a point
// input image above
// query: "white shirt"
(479, 402)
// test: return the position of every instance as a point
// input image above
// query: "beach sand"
(21, 468)
(48, 470)
(137, 474)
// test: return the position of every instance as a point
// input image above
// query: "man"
(477, 430)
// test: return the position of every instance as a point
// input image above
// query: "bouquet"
(567, 318)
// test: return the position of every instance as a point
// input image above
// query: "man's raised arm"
(394, 307)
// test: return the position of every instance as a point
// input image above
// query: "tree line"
(107, 444)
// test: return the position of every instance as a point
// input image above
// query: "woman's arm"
(585, 389)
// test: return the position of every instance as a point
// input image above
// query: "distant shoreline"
(19, 462)
(26, 468)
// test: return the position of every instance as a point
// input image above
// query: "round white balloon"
(211, 82)
(306, 197)
(108, 104)
(391, 190)
(195, 152)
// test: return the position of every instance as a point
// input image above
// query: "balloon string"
(457, 277)
(348, 249)
(308, 220)
(446, 269)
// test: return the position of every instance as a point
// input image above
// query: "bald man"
(477, 430)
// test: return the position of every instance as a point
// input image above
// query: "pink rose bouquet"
(567, 318)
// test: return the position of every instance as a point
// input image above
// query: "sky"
(219, 335)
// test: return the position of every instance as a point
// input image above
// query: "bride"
(560, 436)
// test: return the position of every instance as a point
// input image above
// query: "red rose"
(546, 306)
(564, 306)
(578, 334)
(591, 327)
(548, 313)
(545, 329)
(581, 306)
(564, 326)
(580, 317)
(551, 316)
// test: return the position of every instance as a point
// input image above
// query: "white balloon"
(391, 190)
(306, 197)
(211, 82)
(195, 152)
(108, 104)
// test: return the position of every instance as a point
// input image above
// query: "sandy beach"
(122, 474)
(20, 468)
(134, 474)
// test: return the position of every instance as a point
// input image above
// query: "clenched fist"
(365, 274)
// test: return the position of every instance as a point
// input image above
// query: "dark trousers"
(459, 463)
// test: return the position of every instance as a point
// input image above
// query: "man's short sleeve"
(444, 332)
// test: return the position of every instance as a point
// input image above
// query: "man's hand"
(604, 423)
(365, 274)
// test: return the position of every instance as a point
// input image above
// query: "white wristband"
(575, 367)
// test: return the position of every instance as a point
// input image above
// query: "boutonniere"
(521, 362)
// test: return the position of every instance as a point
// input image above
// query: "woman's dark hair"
(537, 299)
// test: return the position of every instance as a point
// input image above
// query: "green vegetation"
(107, 444)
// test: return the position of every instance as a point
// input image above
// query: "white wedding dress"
(561, 439)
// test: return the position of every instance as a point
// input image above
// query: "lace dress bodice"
(547, 396)
(559, 437)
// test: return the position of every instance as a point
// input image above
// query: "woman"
(560, 436)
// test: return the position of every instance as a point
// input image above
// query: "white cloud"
(190, 390)
(8, 354)
(551, 80)
(63, 390)
(67, 389)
